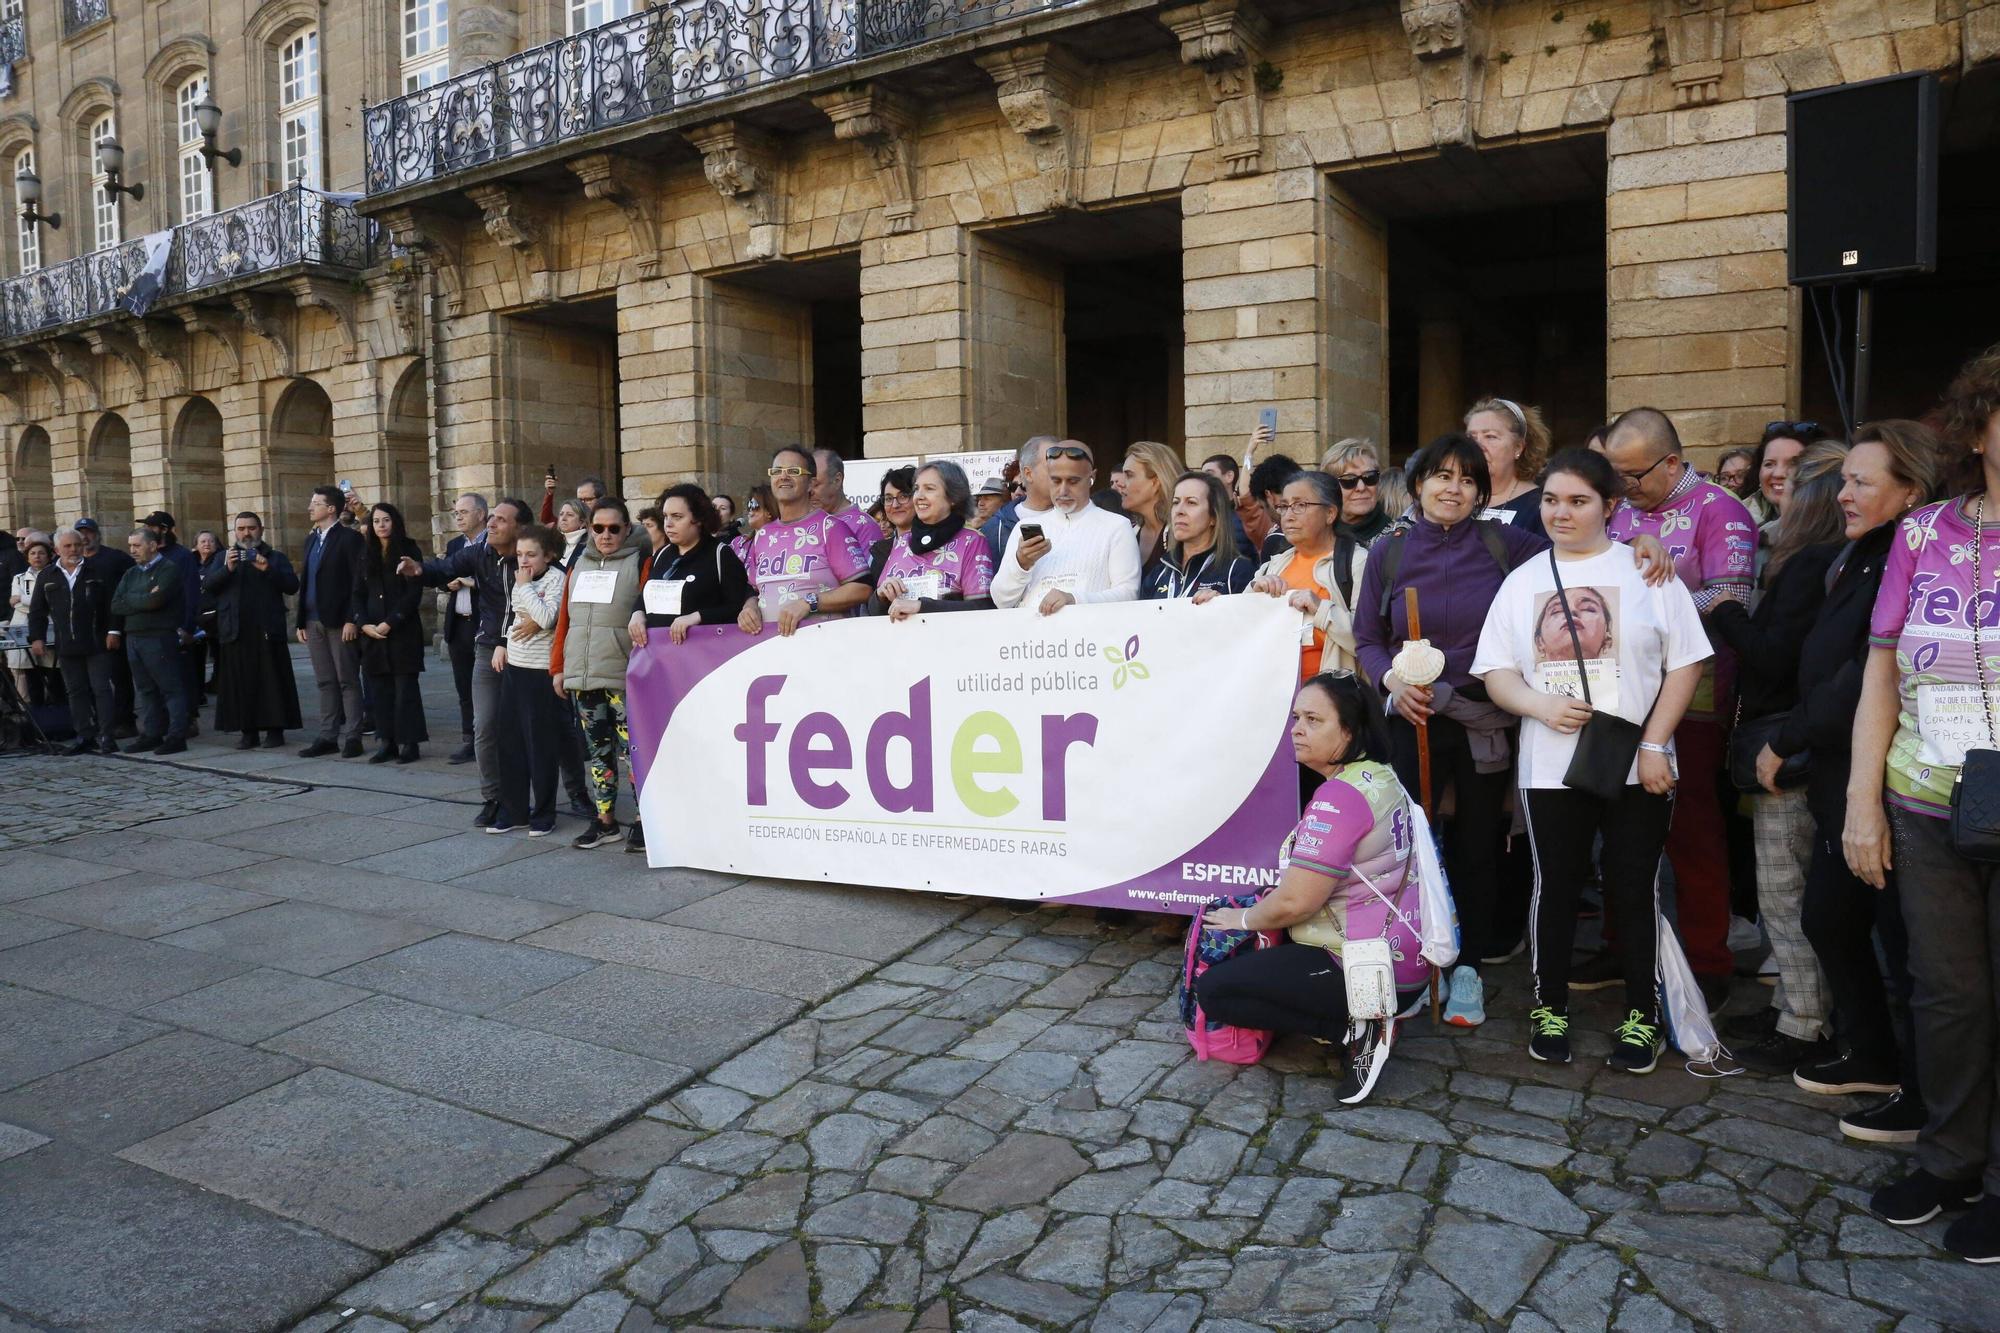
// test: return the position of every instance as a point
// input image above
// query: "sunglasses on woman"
(1368, 478)
(611, 529)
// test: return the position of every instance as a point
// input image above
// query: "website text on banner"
(1125, 755)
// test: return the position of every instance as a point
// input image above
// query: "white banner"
(862, 478)
(1133, 754)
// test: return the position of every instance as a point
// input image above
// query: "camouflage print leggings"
(601, 713)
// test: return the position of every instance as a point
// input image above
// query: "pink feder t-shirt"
(1712, 541)
(964, 565)
(1358, 824)
(815, 554)
(865, 529)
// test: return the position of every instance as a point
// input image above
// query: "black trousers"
(93, 708)
(1843, 917)
(1563, 826)
(399, 709)
(459, 644)
(530, 723)
(1474, 835)
(1290, 988)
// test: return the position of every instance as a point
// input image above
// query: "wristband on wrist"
(1652, 748)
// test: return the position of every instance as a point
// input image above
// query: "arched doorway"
(301, 458)
(107, 477)
(407, 465)
(194, 470)
(34, 481)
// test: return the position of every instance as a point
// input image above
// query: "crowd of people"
(1625, 668)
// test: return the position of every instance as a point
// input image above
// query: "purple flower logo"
(1127, 665)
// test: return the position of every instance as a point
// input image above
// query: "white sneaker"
(1367, 1055)
(1467, 1006)
(1745, 935)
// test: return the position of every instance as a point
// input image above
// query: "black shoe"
(1920, 1196)
(486, 814)
(1899, 1119)
(1549, 1034)
(383, 755)
(597, 835)
(80, 746)
(635, 839)
(410, 755)
(462, 755)
(318, 748)
(274, 740)
(1779, 1055)
(1975, 1237)
(1639, 1043)
(124, 731)
(351, 750)
(194, 727)
(1749, 1028)
(1600, 971)
(1714, 990)
(172, 745)
(539, 828)
(144, 745)
(247, 741)
(582, 809)
(500, 824)
(1839, 1075)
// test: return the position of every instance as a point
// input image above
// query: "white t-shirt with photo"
(1631, 636)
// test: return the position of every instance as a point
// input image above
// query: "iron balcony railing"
(80, 14)
(13, 39)
(294, 226)
(679, 54)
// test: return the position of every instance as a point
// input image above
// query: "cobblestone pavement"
(47, 802)
(1005, 1130)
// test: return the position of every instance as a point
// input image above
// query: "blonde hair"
(1347, 450)
(1528, 424)
(1164, 467)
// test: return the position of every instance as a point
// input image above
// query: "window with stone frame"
(27, 235)
(589, 13)
(426, 43)
(106, 223)
(197, 182)
(298, 109)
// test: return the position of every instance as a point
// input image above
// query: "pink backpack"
(1205, 948)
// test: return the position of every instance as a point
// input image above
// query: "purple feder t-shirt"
(964, 564)
(815, 554)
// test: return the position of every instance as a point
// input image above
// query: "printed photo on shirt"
(1594, 612)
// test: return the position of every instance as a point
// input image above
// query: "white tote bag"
(1681, 1002)
(1437, 915)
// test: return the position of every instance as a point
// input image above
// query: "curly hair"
(1969, 407)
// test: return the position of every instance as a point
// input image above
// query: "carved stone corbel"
(219, 326)
(271, 322)
(521, 226)
(1221, 38)
(880, 122)
(1448, 38)
(1037, 85)
(334, 297)
(438, 242)
(73, 359)
(109, 341)
(633, 188)
(744, 165)
(1694, 31)
(166, 347)
(406, 309)
(29, 362)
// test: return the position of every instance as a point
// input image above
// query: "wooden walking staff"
(1423, 767)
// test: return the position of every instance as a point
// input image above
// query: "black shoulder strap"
(1392, 561)
(1343, 568)
(1496, 545)
(1576, 643)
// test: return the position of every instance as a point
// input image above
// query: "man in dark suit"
(184, 559)
(326, 586)
(253, 662)
(111, 562)
(461, 615)
(70, 620)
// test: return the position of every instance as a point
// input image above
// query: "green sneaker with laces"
(1639, 1044)
(1549, 1038)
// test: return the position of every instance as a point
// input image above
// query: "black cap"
(159, 518)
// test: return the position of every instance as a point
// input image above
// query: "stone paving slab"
(299, 937)
(876, 924)
(144, 907)
(676, 1019)
(32, 873)
(40, 1034)
(21, 928)
(463, 908)
(930, 1149)
(805, 974)
(328, 838)
(113, 970)
(254, 1005)
(464, 973)
(370, 1164)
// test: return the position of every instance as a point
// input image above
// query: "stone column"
(1016, 350)
(1700, 314)
(915, 373)
(663, 408)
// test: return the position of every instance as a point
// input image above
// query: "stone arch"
(107, 475)
(301, 438)
(406, 462)
(34, 481)
(194, 470)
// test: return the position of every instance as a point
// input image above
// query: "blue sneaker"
(1467, 1006)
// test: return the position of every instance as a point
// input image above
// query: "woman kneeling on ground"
(1355, 831)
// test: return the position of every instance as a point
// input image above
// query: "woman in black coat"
(384, 609)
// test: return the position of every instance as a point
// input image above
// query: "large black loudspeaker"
(1862, 168)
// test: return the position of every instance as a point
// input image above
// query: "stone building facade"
(659, 246)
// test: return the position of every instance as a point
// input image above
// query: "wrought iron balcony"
(80, 14)
(13, 39)
(679, 54)
(295, 226)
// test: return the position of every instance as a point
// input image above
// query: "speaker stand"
(1864, 348)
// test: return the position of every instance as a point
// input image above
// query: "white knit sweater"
(541, 601)
(1099, 549)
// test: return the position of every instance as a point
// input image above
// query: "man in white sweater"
(1069, 551)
